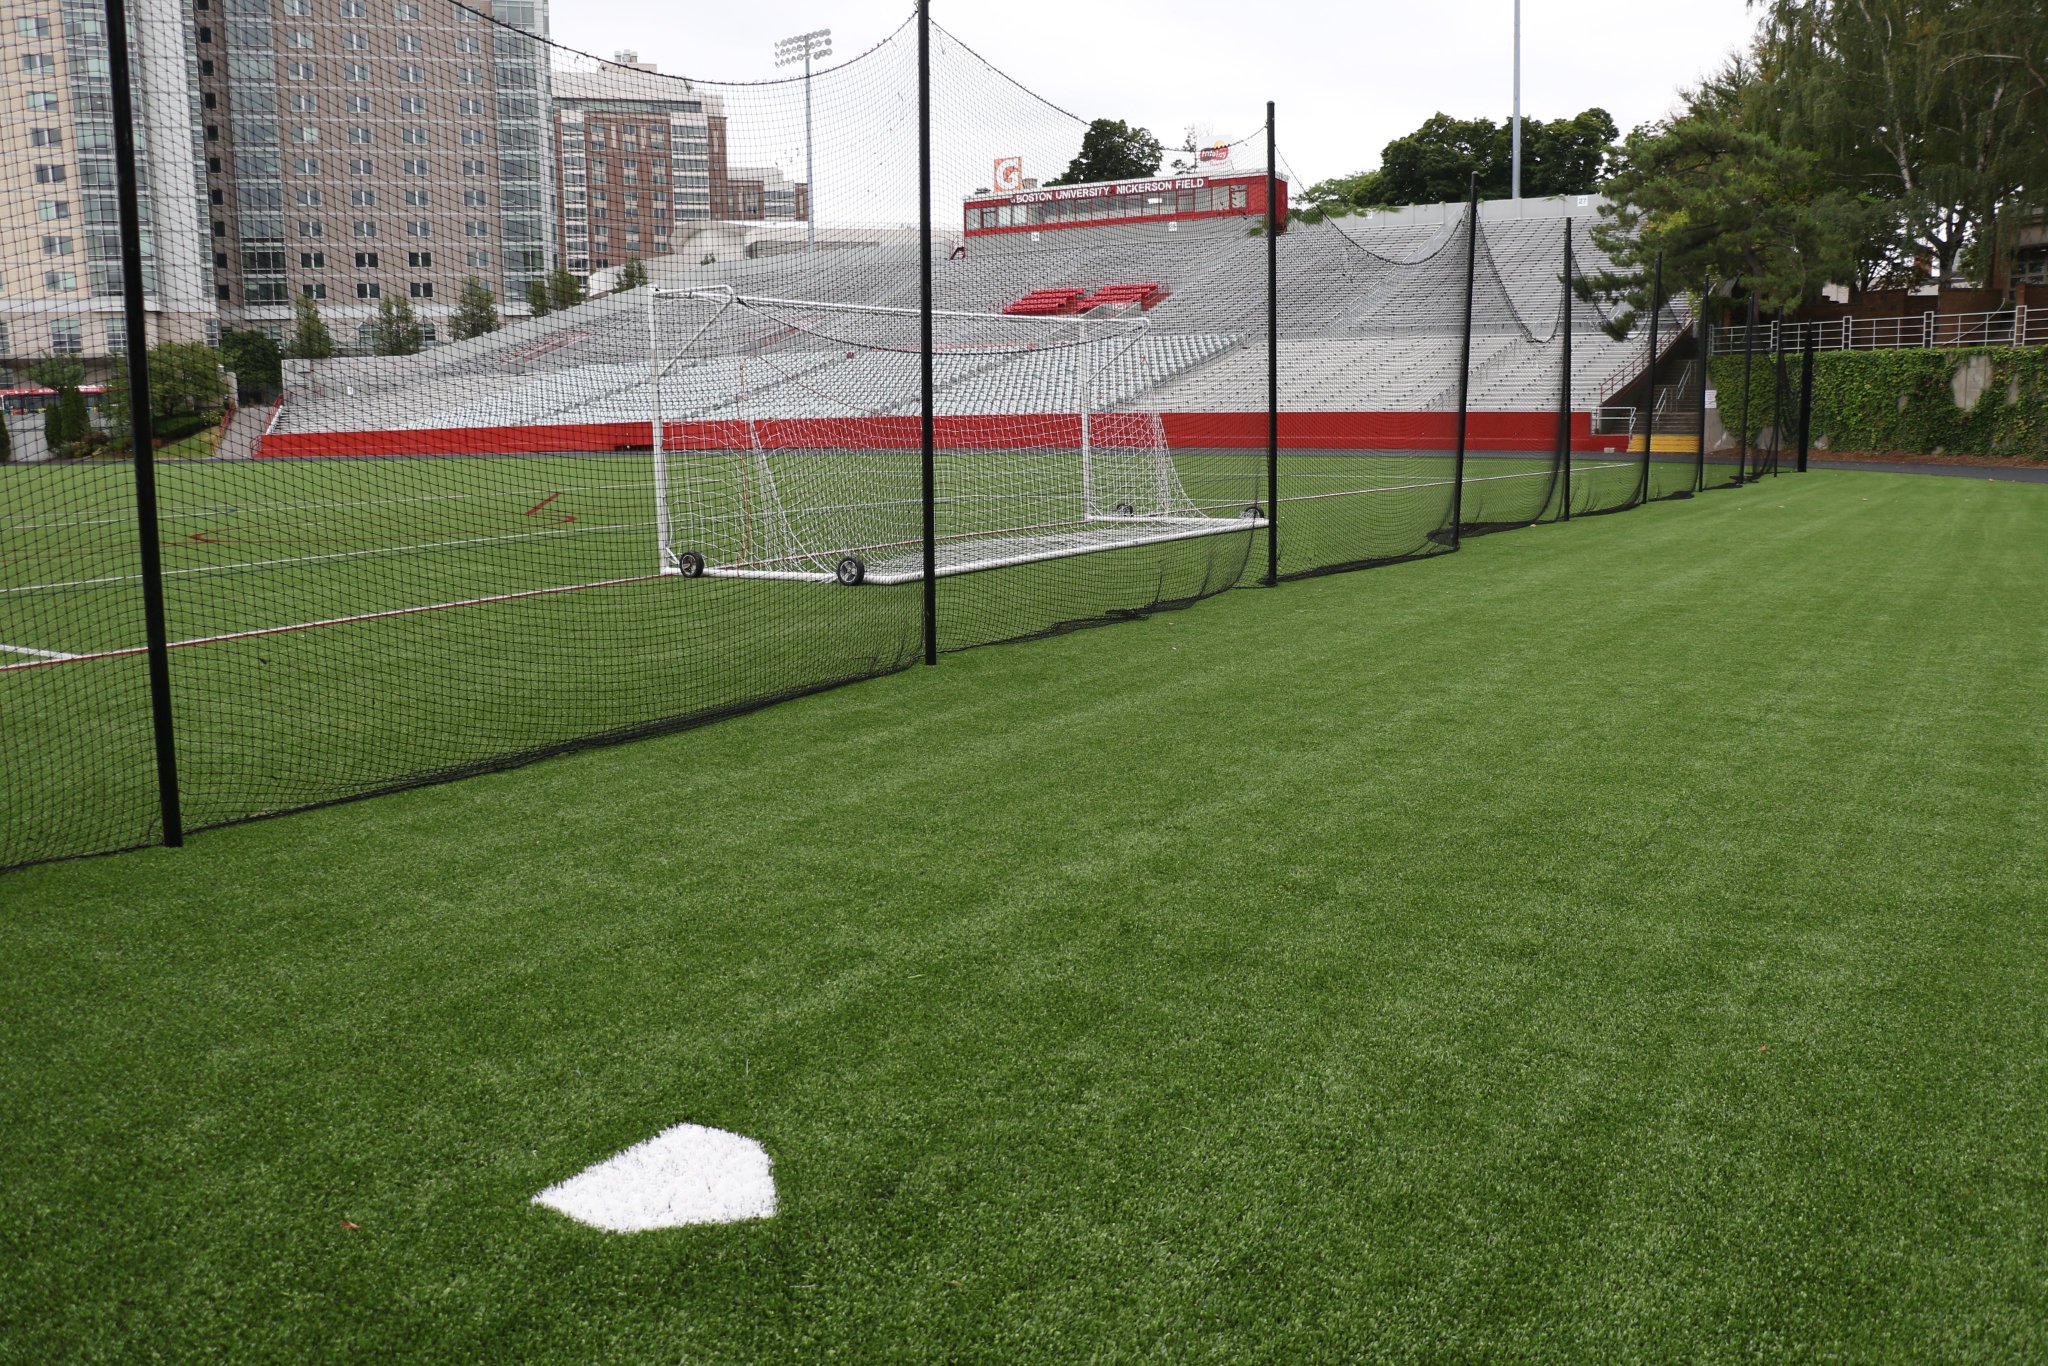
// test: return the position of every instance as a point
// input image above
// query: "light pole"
(1515, 181)
(804, 47)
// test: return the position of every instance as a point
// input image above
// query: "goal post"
(787, 441)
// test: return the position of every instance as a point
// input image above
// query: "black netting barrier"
(502, 399)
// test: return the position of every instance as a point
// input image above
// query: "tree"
(632, 275)
(1718, 201)
(398, 329)
(55, 372)
(254, 357)
(67, 427)
(1340, 197)
(476, 311)
(564, 289)
(184, 377)
(1113, 150)
(1435, 163)
(310, 338)
(537, 298)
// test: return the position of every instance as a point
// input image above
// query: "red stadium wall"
(1184, 431)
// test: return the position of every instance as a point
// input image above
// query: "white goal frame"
(1164, 513)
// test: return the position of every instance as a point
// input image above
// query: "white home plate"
(685, 1175)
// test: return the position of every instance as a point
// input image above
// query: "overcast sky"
(1348, 77)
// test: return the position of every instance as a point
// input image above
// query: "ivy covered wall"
(1904, 400)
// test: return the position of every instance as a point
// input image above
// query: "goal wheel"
(690, 565)
(1252, 513)
(1125, 510)
(850, 571)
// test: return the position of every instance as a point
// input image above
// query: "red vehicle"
(34, 398)
(1166, 199)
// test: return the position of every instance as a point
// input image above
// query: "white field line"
(335, 555)
(254, 632)
(52, 655)
(239, 509)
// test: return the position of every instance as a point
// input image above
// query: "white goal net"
(788, 440)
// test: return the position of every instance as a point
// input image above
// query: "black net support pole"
(1564, 387)
(140, 433)
(1705, 323)
(1748, 358)
(1465, 360)
(1806, 357)
(1650, 378)
(1272, 353)
(928, 433)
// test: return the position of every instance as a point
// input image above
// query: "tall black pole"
(141, 437)
(1748, 356)
(1806, 395)
(1705, 323)
(924, 326)
(1780, 399)
(1272, 352)
(1650, 380)
(1564, 387)
(1465, 361)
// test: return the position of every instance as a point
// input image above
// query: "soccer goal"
(788, 440)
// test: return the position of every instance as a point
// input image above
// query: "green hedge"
(1902, 400)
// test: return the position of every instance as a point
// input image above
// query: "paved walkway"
(2019, 474)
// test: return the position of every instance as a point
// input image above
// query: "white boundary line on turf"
(252, 633)
(51, 655)
(176, 514)
(335, 555)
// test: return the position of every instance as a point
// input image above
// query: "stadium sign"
(1108, 188)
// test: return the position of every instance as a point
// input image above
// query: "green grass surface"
(1620, 941)
(292, 717)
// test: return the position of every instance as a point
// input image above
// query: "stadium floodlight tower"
(806, 48)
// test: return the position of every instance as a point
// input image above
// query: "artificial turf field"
(1623, 940)
(343, 626)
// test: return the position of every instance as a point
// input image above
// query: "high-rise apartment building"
(361, 150)
(60, 278)
(643, 166)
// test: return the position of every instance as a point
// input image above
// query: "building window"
(311, 228)
(67, 338)
(60, 280)
(46, 137)
(39, 64)
(469, 45)
(361, 137)
(469, 104)
(422, 290)
(477, 260)
(418, 227)
(476, 227)
(365, 228)
(420, 260)
(313, 290)
(413, 137)
(306, 166)
(358, 104)
(411, 74)
(361, 166)
(368, 290)
(405, 11)
(354, 9)
(472, 168)
(49, 175)
(466, 74)
(312, 260)
(416, 199)
(34, 26)
(306, 199)
(408, 42)
(42, 101)
(366, 260)
(476, 199)
(355, 42)
(355, 71)
(475, 137)
(298, 71)
(305, 134)
(417, 167)
(53, 210)
(57, 246)
(362, 199)
(412, 104)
